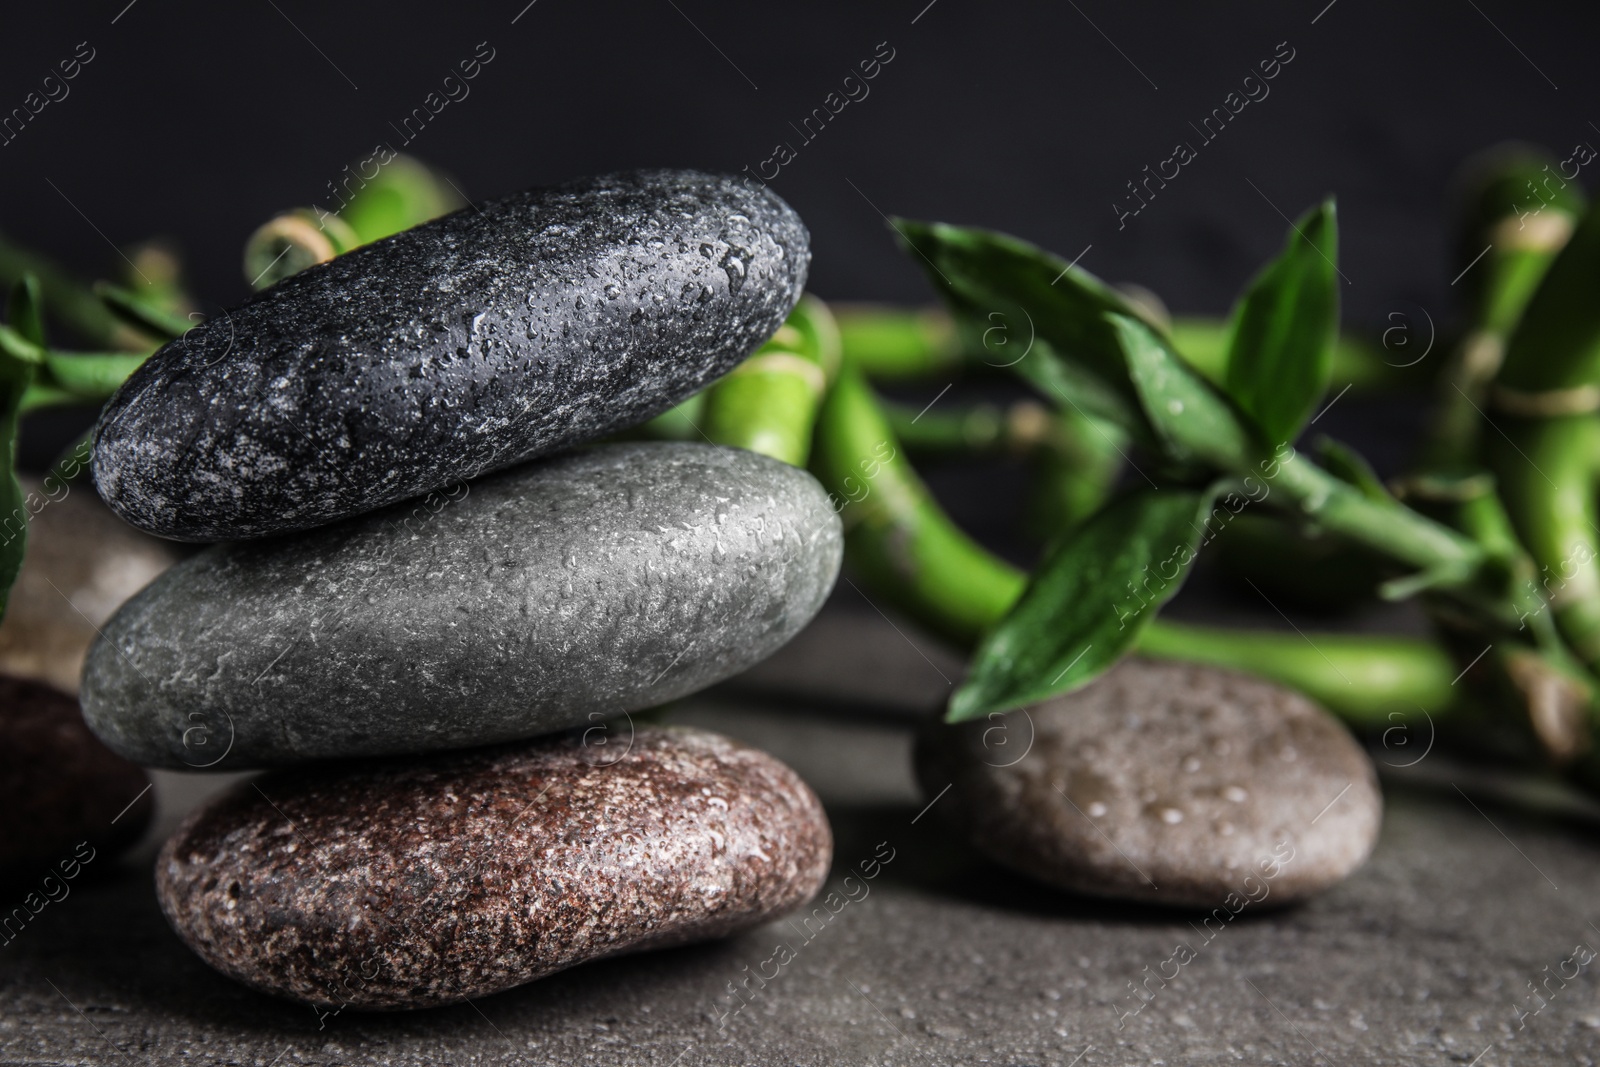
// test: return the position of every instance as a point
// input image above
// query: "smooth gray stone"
(1167, 782)
(545, 597)
(516, 329)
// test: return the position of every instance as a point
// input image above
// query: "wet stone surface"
(549, 596)
(414, 883)
(1168, 782)
(502, 332)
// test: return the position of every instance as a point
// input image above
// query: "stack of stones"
(434, 635)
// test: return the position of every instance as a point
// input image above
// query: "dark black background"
(196, 121)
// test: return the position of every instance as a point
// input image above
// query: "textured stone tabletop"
(1479, 887)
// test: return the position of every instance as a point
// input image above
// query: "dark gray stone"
(549, 596)
(1166, 782)
(538, 321)
(419, 882)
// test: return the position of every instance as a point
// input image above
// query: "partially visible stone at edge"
(411, 883)
(82, 562)
(513, 329)
(552, 595)
(1164, 782)
(65, 800)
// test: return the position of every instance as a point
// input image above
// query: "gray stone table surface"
(1479, 886)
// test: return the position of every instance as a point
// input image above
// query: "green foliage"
(1284, 329)
(91, 376)
(141, 314)
(1023, 308)
(1087, 602)
(1194, 422)
(18, 363)
(24, 311)
(1556, 344)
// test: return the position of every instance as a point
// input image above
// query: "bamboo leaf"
(92, 375)
(1193, 421)
(19, 348)
(141, 315)
(1284, 329)
(1087, 603)
(1034, 313)
(25, 312)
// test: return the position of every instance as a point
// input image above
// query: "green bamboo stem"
(1523, 236)
(895, 344)
(899, 541)
(769, 403)
(1555, 346)
(979, 429)
(1382, 524)
(1363, 679)
(401, 193)
(404, 192)
(1074, 474)
(289, 243)
(1309, 568)
(1547, 471)
(1074, 461)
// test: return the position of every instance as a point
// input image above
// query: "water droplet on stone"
(1171, 816)
(733, 262)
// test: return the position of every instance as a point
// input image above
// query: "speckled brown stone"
(59, 786)
(1167, 782)
(410, 883)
